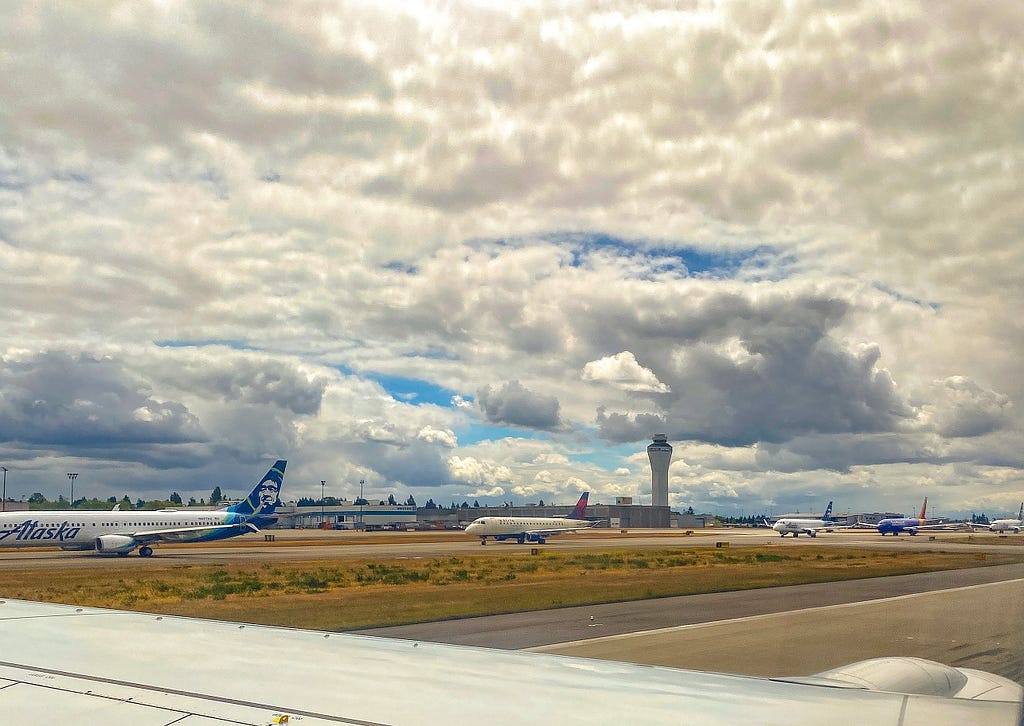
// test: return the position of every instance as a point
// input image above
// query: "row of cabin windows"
(137, 524)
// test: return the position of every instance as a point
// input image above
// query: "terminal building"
(347, 515)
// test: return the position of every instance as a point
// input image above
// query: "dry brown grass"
(348, 594)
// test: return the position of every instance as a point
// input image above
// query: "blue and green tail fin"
(265, 497)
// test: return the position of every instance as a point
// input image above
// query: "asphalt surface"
(310, 545)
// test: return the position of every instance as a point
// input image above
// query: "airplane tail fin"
(828, 513)
(1020, 512)
(924, 508)
(265, 496)
(580, 510)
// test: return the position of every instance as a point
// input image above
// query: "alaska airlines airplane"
(810, 527)
(116, 532)
(73, 661)
(910, 525)
(1009, 525)
(531, 529)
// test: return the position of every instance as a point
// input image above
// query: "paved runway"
(976, 626)
(961, 617)
(299, 545)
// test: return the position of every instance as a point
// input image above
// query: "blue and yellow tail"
(265, 497)
(580, 510)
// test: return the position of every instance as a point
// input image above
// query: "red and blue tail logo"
(580, 510)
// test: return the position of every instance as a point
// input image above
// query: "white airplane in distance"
(117, 532)
(531, 529)
(810, 527)
(91, 666)
(1008, 525)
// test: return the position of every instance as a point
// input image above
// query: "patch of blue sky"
(398, 266)
(905, 298)
(73, 176)
(413, 391)
(609, 457)
(665, 257)
(477, 433)
(433, 353)
(203, 343)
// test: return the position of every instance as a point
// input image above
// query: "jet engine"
(115, 543)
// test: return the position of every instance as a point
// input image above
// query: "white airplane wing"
(61, 663)
(548, 531)
(943, 527)
(187, 534)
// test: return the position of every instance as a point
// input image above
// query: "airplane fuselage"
(910, 525)
(1006, 525)
(80, 530)
(524, 529)
(797, 527)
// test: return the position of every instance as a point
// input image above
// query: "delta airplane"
(84, 665)
(1008, 525)
(116, 532)
(531, 529)
(911, 525)
(810, 527)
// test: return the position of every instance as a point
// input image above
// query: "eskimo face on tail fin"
(265, 496)
(580, 510)
(828, 513)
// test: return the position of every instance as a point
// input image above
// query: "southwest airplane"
(85, 665)
(810, 527)
(532, 529)
(1004, 525)
(910, 525)
(116, 532)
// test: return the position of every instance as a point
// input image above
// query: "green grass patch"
(350, 593)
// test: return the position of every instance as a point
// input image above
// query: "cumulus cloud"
(431, 435)
(55, 399)
(795, 378)
(962, 408)
(622, 371)
(514, 404)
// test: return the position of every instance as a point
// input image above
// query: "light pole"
(72, 475)
(361, 500)
(323, 483)
(5, 489)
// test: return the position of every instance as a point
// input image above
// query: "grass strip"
(349, 594)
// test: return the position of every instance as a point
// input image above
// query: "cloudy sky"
(464, 251)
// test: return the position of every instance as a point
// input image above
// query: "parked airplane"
(116, 532)
(531, 529)
(84, 665)
(911, 525)
(1007, 525)
(810, 527)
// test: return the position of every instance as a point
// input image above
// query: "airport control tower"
(660, 454)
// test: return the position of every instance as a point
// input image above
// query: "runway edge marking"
(750, 618)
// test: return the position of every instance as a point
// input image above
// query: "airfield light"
(323, 483)
(72, 475)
